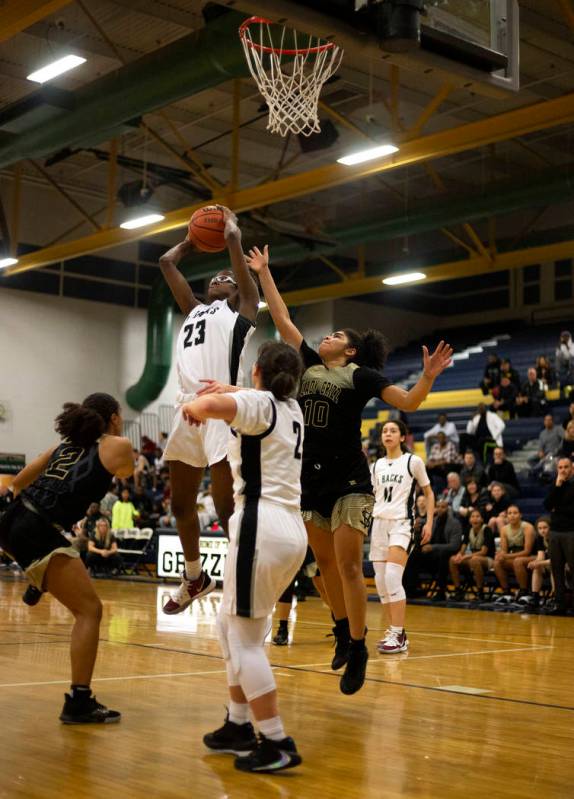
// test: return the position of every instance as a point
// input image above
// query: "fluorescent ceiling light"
(262, 305)
(142, 221)
(56, 68)
(408, 277)
(368, 155)
(7, 262)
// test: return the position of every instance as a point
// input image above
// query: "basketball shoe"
(270, 756)
(87, 711)
(281, 638)
(32, 595)
(354, 674)
(393, 643)
(188, 591)
(231, 738)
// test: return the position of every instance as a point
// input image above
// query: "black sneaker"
(270, 756)
(459, 595)
(354, 674)
(440, 596)
(32, 595)
(87, 711)
(281, 638)
(232, 738)
(342, 642)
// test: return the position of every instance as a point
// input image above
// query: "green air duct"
(48, 121)
(549, 188)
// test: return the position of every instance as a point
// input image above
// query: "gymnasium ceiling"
(62, 198)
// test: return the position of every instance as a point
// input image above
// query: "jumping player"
(210, 344)
(53, 492)
(395, 479)
(337, 494)
(267, 544)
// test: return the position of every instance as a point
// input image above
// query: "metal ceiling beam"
(437, 145)
(17, 15)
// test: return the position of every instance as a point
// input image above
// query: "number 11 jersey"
(395, 483)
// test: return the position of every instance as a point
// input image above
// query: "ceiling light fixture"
(51, 71)
(368, 155)
(141, 221)
(4, 262)
(407, 277)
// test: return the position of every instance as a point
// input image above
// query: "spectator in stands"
(567, 448)
(454, 492)
(206, 507)
(478, 547)
(560, 503)
(506, 397)
(483, 431)
(80, 539)
(108, 503)
(166, 519)
(103, 553)
(442, 426)
(148, 449)
(549, 443)
(569, 417)
(540, 565)
(502, 471)
(472, 468)
(474, 498)
(420, 513)
(434, 557)
(565, 360)
(443, 457)
(532, 399)
(508, 370)
(497, 507)
(141, 469)
(545, 372)
(516, 548)
(491, 377)
(124, 512)
(89, 521)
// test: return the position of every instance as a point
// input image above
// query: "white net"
(289, 76)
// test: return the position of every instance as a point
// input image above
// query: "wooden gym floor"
(482, 705)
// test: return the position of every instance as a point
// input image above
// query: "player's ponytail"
(83, 424)
(371, 348)
(280, 367)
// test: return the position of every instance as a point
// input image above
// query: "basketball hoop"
(289, 78)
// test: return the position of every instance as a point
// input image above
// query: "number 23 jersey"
(210, 344)
(395, 483)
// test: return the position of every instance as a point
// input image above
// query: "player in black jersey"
(52, 493)
(337, 495)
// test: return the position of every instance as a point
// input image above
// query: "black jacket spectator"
(532, 399)
(491, 377)
(502, 471)
(560, 503)
(507, 370)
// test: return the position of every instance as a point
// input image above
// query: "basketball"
(206, 229)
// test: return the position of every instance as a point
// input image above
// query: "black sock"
(357, 643)
(342, 625)
(283, 624)
(81, 692)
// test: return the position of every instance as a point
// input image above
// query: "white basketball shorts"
(199, 446)
(387, 533)
(267, 545)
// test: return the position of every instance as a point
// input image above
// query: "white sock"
(272, 728)
(193, 569)
(238, 712)
(397, 630)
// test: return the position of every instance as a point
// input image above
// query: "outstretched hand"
(435, 364)
(257, 260)
(230, 221)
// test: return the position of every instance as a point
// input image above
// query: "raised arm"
(258, 262)
(210, 406)
(180, 288)
(433, 366)
(248, 291)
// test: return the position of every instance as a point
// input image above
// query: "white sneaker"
(187, 591)
(393, 643)
(505, 599)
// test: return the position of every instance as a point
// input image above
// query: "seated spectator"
(506, 397)
(476, 555)
(483, 432)
(166, 519)
(545, 372)
(565, 360)
(103, 556)
(108, 503)
(531, 400)
(442, 458)
(549, 443)
(472, 468)
(491, 377)
(507, 370)
(516, 550)
(502, 471)
(124, 513)
(567, 448)
(496, 507)
(540, 565)
(89, 521)
(569, 417)
(420, 514)
(80, 539)
(442, 426)
(141, 469)
(474, 498)
(148, 449)
(560, 503)
(454, 492)
(434, 557)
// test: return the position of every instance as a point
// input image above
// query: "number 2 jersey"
(211, 344)
(395, 483)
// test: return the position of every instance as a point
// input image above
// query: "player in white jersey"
(267, 544)
(395, 479)
(210, 344)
